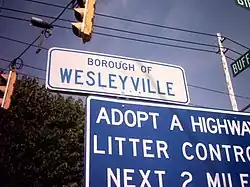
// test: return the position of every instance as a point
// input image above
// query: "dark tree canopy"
(41, 138)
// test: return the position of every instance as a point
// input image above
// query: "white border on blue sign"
(87, 129)
(48, 86)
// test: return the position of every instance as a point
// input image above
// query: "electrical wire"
(230, 58)
(127, 38)
(217, 91)
(131, 20)
(1, 6)
(115, 29)
(235, 42)
(245, 108)
(120, 30)
(31, 44)
(25, 65)
(191, 85)
(19, 41)
(234, 51)
(144, 23)
(122, 38)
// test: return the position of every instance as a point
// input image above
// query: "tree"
(41, 138)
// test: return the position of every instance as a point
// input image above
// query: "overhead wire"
(1, 6)
(30, 45)
(21, 19)
(119, 30)
(144, 23)
(235, 42)
(25, 65)
(191, 85)
(115, 29)
(19, 41)
(230, 58)
(126, 38)
(131, 20)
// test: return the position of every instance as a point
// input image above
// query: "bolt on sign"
(241, 64)
(141, 144)
(243, 3)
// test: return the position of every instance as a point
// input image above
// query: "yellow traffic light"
(7, 84)
(85, 16)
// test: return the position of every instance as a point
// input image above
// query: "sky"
(202, 69)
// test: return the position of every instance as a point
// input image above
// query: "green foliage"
(41, 138)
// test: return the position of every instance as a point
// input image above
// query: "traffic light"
(85, 15)
(7, 84)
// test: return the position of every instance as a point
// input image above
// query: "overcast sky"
(201, 68)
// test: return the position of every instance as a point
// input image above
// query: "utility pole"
(227, 75)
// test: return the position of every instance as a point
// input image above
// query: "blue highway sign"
(139, 144)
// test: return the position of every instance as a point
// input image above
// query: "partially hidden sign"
(243, 3)
(139, 144)
(241, 63)
(102, 74)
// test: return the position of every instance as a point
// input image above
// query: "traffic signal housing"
(7, 84)
(85, 15)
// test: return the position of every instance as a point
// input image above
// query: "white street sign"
(102, 74)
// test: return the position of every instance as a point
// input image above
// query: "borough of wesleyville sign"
(102, 74)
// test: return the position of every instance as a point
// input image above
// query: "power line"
(217, 91)
(27, 75)
(245, 108)
(31, 44)
(25, 65)
(144, 23)
(127, 38)
(235, 42)
(230, 58)
(133, 40)
(194, 86)
(115, 29)
(133, 21)
(119, 30)
(18, 41)
(234, 51)
(1, 6)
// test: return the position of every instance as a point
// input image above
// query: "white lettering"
(160, 179)
(145, 178)
(103, 115)
(154, 115)
(96, 151)
(134, 141)
(188, 180)
(116, 179)
(194, 124)
(175, 123)
(161, 146)
(213, 182)
(147, 148)
(128, 178)
(133, 123)
(238, 151)
(216, 152)
(141, 116)
(115, 111)
(242, 180)
(184, 151)
(120, 140)
(204, 150)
